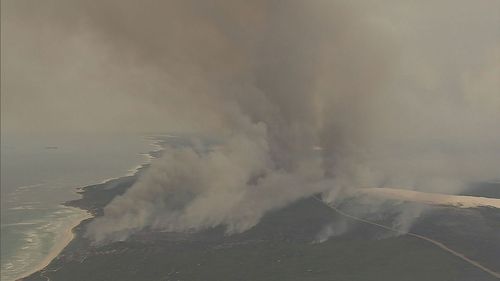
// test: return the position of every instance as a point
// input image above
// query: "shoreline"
(68, 235)
(63, 240)
(65, 237)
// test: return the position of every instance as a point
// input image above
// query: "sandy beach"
(62, 240)
(65, 236)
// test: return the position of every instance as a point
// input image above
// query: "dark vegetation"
(281, 247)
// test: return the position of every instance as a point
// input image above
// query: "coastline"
(63, 239)
(69, 234)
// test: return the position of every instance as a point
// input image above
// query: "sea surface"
(40, 173)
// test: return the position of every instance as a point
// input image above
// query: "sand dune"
(431, 198)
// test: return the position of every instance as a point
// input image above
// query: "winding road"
(436, 243)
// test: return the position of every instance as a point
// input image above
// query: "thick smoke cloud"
(306, 96)
(269, 81)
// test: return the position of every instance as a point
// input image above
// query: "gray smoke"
(306, 96)
(279, 87)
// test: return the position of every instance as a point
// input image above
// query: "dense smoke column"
(303, 96)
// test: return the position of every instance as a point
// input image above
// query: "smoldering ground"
(306, 96)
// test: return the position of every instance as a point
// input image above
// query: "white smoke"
(189, 189)
(322, 75)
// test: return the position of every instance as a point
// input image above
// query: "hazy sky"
(122, 65)
(395, 93)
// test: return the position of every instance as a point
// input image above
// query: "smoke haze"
(305, 96)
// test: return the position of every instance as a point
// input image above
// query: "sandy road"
(436, 243)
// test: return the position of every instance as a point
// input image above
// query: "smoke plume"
(306, 97)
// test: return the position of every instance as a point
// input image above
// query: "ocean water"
(38, 174)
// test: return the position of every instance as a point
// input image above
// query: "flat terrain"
(283, 246)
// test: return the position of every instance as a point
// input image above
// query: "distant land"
(283, 246)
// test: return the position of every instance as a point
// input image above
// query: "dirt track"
(436, 243)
